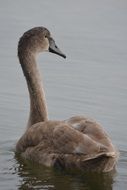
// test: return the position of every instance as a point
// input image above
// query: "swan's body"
(74, 143)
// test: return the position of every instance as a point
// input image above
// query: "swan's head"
(37, 40)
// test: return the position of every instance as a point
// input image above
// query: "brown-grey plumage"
(78, 142)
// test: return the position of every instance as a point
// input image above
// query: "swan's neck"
(38, 108)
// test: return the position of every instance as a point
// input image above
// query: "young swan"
(78, 142)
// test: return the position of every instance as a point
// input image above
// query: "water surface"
(91, 81)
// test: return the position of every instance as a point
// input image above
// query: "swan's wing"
(58, 143)
(67, 140)
(61, 136)
(30, 138)
(36, 134)
(92, 129)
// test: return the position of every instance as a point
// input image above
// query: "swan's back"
(75, 143)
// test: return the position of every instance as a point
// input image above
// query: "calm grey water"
(91, 81)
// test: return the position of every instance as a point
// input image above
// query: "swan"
(78, 142)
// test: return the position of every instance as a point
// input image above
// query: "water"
(91, 81)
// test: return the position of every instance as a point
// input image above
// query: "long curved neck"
(38, 108)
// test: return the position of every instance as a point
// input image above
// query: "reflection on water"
(24, 175)
(37, 177)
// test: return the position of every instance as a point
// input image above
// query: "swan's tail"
(112, 154)
(104, 162)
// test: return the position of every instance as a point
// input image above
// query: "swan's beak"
(54, 49)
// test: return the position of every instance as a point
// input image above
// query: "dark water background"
(91, 81)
